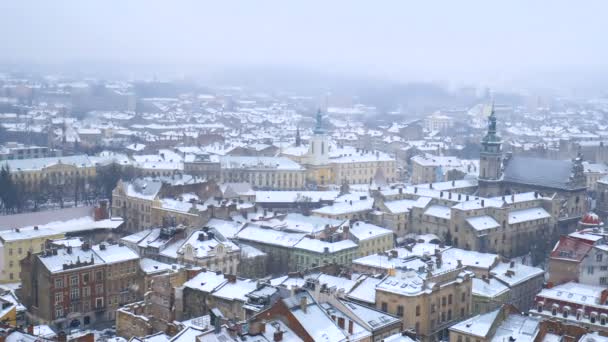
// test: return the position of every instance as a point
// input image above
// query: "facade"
(13, 150)
(66, 172)
(489, 294)
(428, 299)
(580, 304)
(206, 249)
(207, 166)
(74, 287)
(524, 282)
(370, 238)
(16, 244)
(133, 202)
(263, 172)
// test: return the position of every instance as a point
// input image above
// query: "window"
(598, 257)
(58, 297)
(87, 320)
(58, 283)
(443, 301)
(99, 303)
(58, 312)
(10, 251)
(400, 310)
(590, 270)
(603, 280)
(461, 312)
(449, 315)
(384, 307)
(417, 310)
(98, 276)
(74, 293)
(98, 288)
(450, 299)
(74, 280)
(86, 291)
(432, 308)
(10, 264)
(85, 278)
(19, 251)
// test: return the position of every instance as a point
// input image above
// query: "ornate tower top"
(491, 137)
(319, 126)
(298, 138)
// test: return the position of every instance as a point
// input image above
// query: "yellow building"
(370, 238)
(8, 313)
(327, 163)
(16, 243)
(64, 171)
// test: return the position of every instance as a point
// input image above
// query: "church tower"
(490, 163)
(298, 138)
(319, 143)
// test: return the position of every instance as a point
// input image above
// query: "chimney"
(341, 322)
(415, 189)
(303, 304)
(453, 182)
(430, 185)
(467, 198)
(459, 196)
(440, 194)
(278, 336)
(512, 264)
(459, 263)
(35, 227)
(69, 249)
(346, 231)
(483, 203)
(449, 195)
(400, 190)
(512, 197)
(350, 327)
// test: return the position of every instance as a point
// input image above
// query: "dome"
(591, 219)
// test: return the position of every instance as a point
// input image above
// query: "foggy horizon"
(475, 42)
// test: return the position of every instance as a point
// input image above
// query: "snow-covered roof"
(517, 274)
(530, 214)
(269, 236)
(206, 281)
(364, 231)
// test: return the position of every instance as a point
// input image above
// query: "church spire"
(298, 138)
(492, 136)
(319, 126)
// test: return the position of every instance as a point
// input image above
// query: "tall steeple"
(319, 126)
(490, 163)
(298, 138)
(491, 135)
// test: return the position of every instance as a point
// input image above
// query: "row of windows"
(75, 279)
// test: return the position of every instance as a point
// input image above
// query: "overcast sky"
(399, 39)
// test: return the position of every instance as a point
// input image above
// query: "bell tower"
(490, 162)
(319, 143)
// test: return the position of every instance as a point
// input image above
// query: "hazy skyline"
(469, 41)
